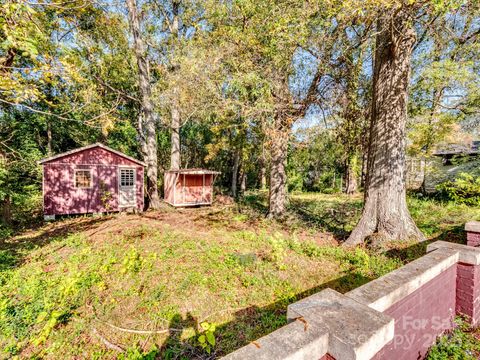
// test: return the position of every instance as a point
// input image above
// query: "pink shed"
(189, 187)
(91, 179)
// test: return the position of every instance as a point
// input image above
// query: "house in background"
(91, 179)
(189, 187)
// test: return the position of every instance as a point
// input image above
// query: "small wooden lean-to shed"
(189, 187)
(91, 179)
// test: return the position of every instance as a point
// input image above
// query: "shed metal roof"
(100, 145)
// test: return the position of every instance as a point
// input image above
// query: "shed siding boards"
(61, 197)
(189, 189)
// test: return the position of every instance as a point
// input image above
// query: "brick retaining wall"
(473, 233)
(421, 317)
(468, 291)
(398, 316)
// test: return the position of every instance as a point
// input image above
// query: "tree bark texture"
(243, 181)
(278, 175)
(351, 175)
(147, 127)
(385, 213)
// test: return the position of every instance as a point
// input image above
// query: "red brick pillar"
(468, 291)
(473, 233)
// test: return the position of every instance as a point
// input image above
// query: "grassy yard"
(139, 286)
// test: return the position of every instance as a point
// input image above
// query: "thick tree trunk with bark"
(147, 129)
(385, 213)
(278, 175)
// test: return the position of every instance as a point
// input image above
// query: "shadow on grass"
(332, 216)
(248, 325)
(12, 252)
(175, 347)
(456, 235)
(335, 220)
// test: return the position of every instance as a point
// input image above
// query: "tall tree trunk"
(49, 138)
(263, 169)
(352, 127)
(148, 135)
(175, 159)
(385, 211)
(243, 181)
(236, 164)
(351, 175)
(278, 175)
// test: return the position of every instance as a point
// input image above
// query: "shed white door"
(126, 188)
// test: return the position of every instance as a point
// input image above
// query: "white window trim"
(75, 179)
(120, 168)
(123, 167)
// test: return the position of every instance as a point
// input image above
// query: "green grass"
(338, 214)
(67, 288)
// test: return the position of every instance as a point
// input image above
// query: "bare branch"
(107, 343)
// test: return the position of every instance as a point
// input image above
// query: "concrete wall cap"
(355, 330)
(472, 226)
(382, 293)
(294, 341)
(466, 254)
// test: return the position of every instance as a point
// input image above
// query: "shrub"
(461, 343)
(465, 189)
(295, 182)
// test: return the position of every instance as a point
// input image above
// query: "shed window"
(83, 179)
(127, 177)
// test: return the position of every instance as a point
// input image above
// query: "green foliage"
(278, 248)
(43, 300)
(7, 260)
(133, 261)
(207, 338)
(465, 189)
(136, 353)
(295, 181)
(307, 171)
(460, 344)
